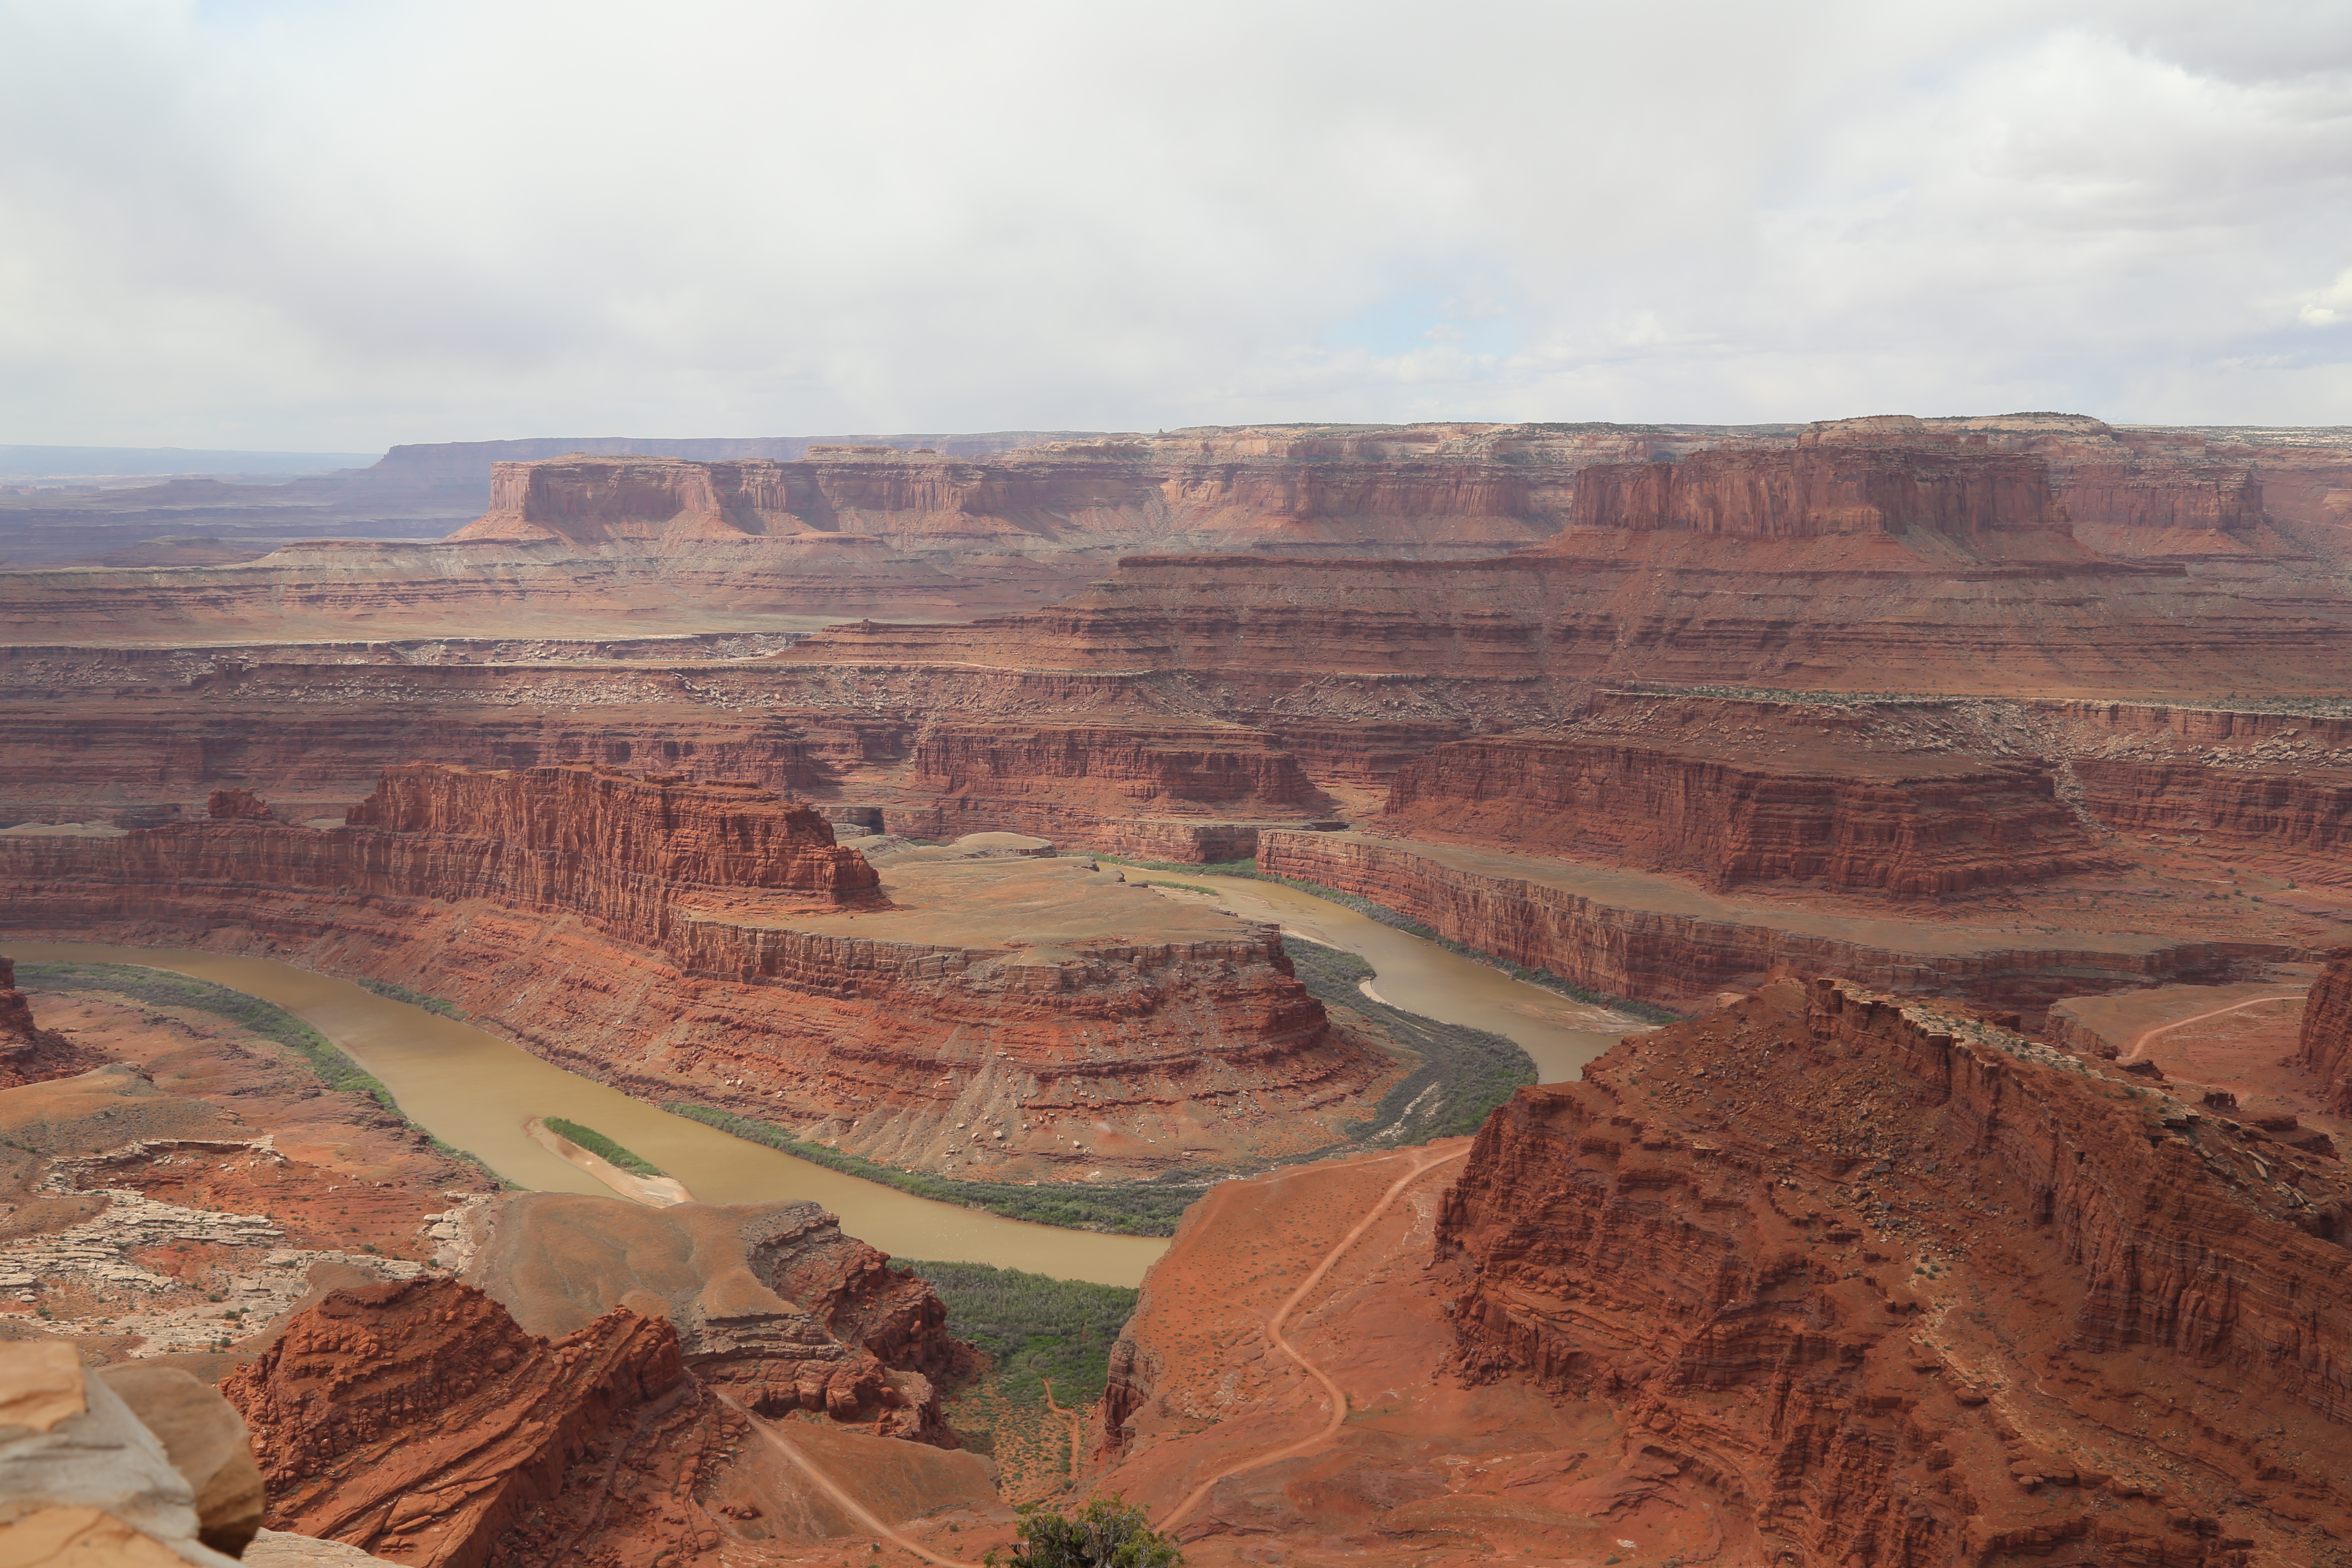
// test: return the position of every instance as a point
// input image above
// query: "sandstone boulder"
(206, 1442)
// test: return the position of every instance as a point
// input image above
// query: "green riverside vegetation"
(1470, 1070)
(603, 1148)
(167, 988)
(1127, 1208)
(164, 988)
(399, 993)
(1033, 1327)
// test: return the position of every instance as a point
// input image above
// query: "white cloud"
(283, 225)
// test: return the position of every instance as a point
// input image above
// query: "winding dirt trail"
(2139, 1047)
(1072, 1419)
(825, 1484)
(1423, 1163)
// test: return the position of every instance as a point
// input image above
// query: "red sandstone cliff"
(1840, 817)
(584, 840)
(2325, 1046)
(1122, 788)
(1504, 643)
(1895, 1285)
(417, 1420)
(1991, 504)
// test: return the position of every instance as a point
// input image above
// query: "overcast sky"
(241, 222)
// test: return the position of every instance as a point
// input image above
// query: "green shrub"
(603, 1148)
(1108, 1532)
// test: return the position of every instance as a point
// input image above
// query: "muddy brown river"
(475, 1092)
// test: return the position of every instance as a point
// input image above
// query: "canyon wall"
(817, 529)
(2300, 812)
(1894, 1284)
(1506, 642)
(710, 944)
(1813, 490)
(2325, 1044)
(1909, 826)
(1631, 937)
(1171, 792)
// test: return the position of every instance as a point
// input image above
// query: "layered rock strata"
(1167, 793)
(1913, 827)
(1504, 640)
(778, 1306)
(418, 1421)
(711, 943)
(1627, 934)
(684, 545)
(1891, 1283)
(2324, 1045)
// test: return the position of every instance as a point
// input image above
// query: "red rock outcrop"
(418, 1421)
(28, 1053)
(1123, 789)
(597, 841)
(2325, 1045)
(1843, 818)
(778, 1306)
(1894, 1284)
(1093, 1025)
(1634, 936)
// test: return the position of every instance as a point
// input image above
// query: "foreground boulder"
(84, 1480)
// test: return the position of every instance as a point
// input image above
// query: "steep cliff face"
(418, 1421)
(776, 1305)
(1990, 503)
(1414, 490)
(1854, 821)
(2326, 1047)
(1896, 1284)
(1125, 789)
(593, 826)
(1086, 1025)
(137, 758)
(2302, 811)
